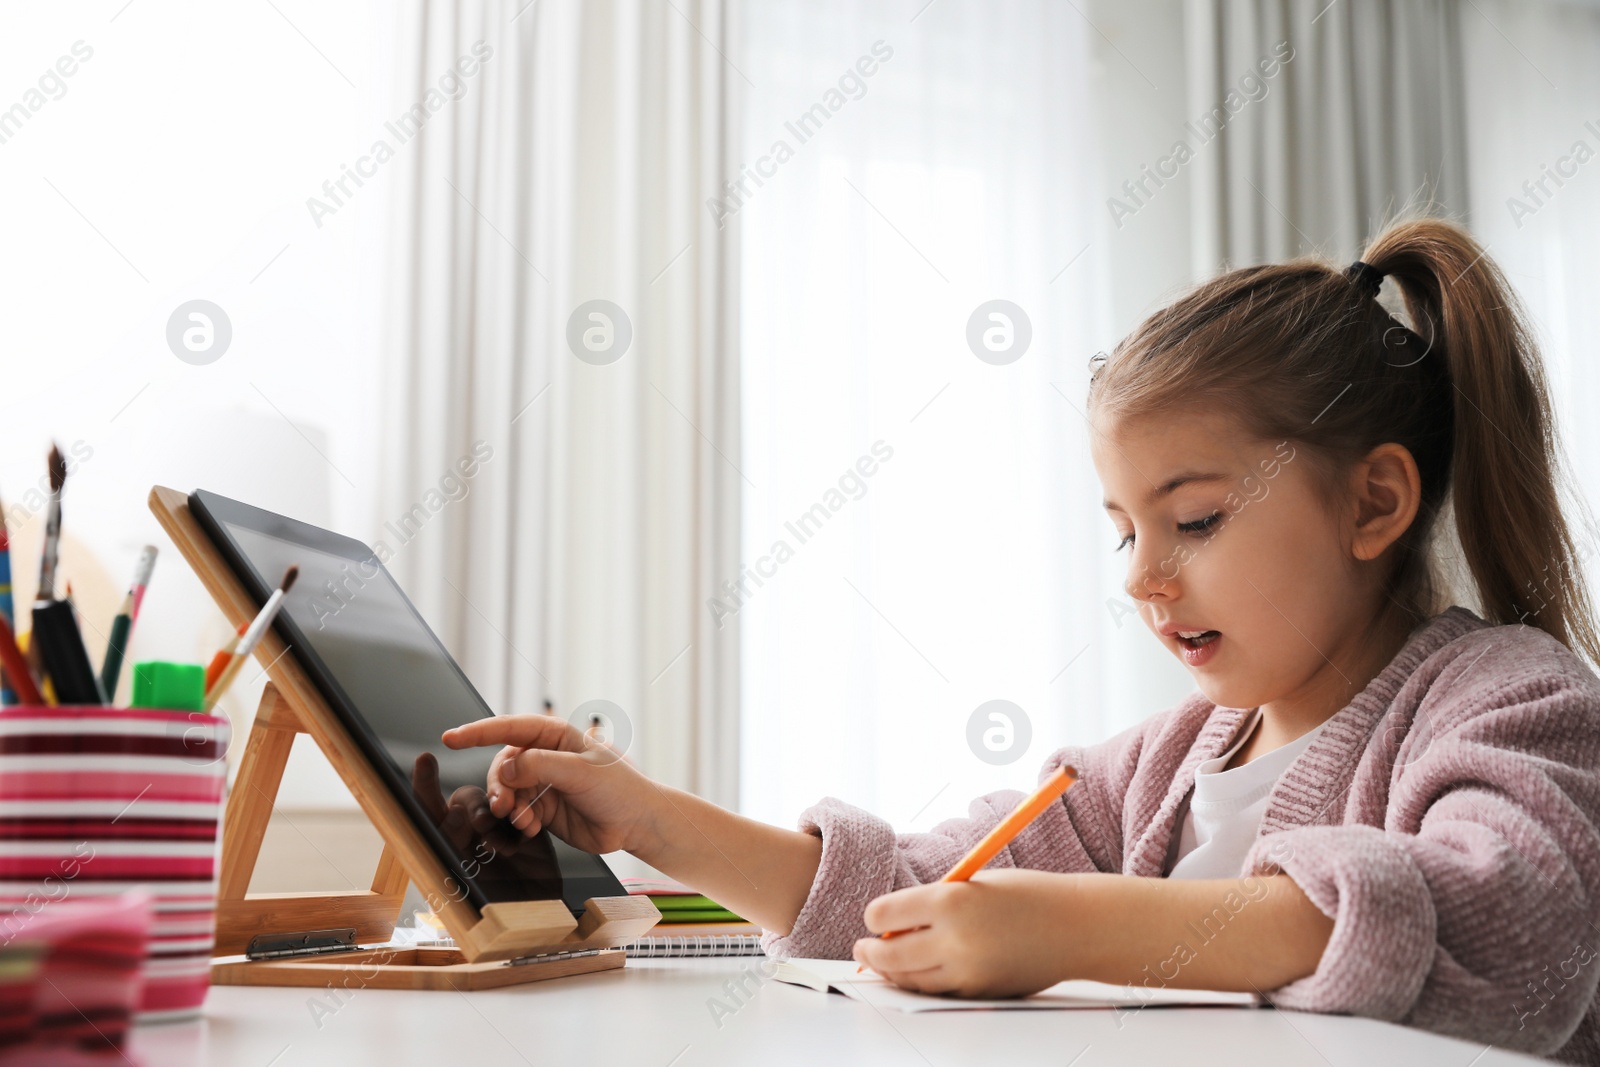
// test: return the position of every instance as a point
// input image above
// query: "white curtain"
(1364, 121)
(950, 164)
(572, 167)
(1533, 103)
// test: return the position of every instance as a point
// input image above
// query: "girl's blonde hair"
(1303, 351)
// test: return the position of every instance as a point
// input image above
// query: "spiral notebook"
(691, 924)
(663, 945)
(652, 946)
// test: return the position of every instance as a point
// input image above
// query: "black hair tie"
(1365, 275)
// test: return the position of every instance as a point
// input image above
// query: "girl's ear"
(1387, 492)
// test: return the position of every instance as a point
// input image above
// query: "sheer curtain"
(1533, 103)
(922, 527)
(555, 505)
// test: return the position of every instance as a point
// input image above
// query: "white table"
(655, 1013)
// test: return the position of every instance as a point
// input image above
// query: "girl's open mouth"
(1198, 648)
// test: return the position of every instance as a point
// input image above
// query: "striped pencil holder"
(95, 801)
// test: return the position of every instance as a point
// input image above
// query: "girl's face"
(1226, 538)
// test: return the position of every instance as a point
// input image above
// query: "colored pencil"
(122, 625)
(8, 609)
(141, 578)
(1006, 830)
(17, 669)
(224, 656)
(252, 637)
(30, 652)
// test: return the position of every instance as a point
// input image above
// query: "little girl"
(1375, 804)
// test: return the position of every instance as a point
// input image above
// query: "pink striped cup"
(95, 801)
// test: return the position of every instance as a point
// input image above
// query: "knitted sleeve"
(1472, 909)
(863, 858)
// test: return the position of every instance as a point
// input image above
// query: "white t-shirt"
(1226, 808)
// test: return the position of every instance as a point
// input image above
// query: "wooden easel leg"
(255, 789)
(242, 915)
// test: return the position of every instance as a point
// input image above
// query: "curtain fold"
(1362, 120)
(571, 167)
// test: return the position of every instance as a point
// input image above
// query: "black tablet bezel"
(214, 513)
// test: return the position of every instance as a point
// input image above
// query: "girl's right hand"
(550, 774)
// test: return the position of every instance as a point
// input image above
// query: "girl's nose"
(1151, 581)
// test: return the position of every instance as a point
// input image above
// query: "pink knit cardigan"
(1447, 820)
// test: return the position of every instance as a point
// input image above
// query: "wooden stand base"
(407, 968)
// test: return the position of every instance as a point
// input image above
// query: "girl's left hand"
(1004, 933)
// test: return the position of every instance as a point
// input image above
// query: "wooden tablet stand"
(543, 938)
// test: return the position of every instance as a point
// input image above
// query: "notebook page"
(1079, 994)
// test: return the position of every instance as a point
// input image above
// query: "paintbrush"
(52, 527)
(252, 637)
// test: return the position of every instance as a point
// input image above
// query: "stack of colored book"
(691, 924)
(679, 904)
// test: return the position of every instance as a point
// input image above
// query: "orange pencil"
(224, 656)
(1006, 830)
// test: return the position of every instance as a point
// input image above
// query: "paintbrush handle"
(51, 553)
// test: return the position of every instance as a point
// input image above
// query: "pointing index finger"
(523, 731)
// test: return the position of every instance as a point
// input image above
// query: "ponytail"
(1505, 477)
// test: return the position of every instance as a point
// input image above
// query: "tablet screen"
(381, 666)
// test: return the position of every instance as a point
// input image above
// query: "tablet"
(396, 688)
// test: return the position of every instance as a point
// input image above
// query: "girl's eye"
(1201, 526)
